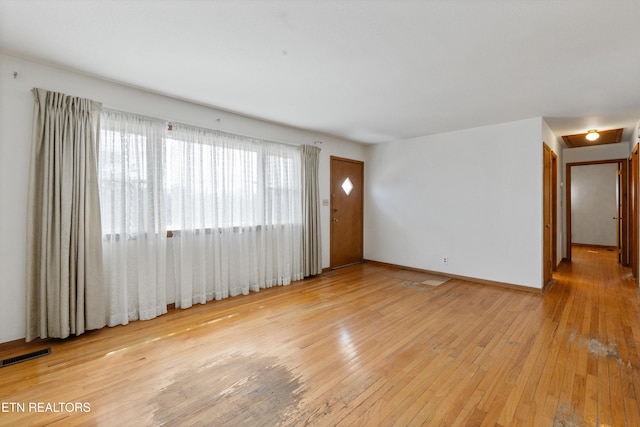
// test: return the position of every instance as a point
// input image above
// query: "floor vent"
(25, 357)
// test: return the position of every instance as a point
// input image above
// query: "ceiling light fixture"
(592, 135)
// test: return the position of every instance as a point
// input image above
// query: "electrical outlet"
(445, 260)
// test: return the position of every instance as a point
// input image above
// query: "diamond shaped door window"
(347, 186)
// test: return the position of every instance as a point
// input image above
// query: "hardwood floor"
(364, 345)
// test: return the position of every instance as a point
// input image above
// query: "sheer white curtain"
(132, 197)
(235, 204)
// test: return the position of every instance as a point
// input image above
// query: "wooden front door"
(347, 209)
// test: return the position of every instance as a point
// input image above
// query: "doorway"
(620, 207)
(347, 212)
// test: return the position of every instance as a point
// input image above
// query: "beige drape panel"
(311, 243)
(64, 258)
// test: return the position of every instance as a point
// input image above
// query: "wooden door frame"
(331, 225)
(547, 270)
(550, 213)
(568, 167)
(633, 211)
(554, 211)
(623, 213)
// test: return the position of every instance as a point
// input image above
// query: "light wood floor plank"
(364, 345)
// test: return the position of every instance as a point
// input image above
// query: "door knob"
(335, 219)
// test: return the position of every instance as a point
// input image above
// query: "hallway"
(598, 311)
(594, 264)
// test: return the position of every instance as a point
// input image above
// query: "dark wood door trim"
(623, 213)
(554, 211)
(633, 211)
(547, 217)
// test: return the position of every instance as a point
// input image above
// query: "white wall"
(621, 150)
(549, 138)
(594, 204)
(474, 196)
(16, 109)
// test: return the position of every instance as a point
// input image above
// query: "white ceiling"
(369, 71)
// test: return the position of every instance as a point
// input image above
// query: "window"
(219, 181)
(129, 182)
(232, 205)
(192, 178)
